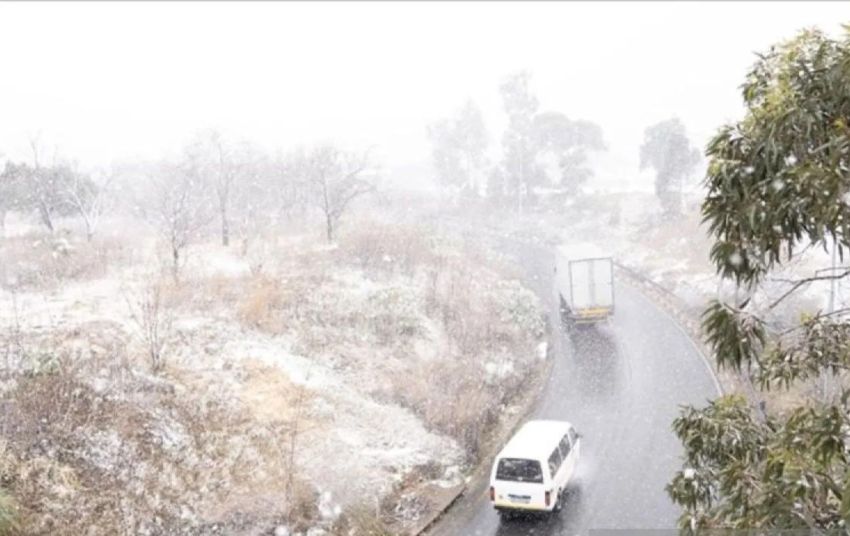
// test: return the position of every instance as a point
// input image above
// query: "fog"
(305, 269)
(102, 82)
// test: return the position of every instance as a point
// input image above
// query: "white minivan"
(532, 471)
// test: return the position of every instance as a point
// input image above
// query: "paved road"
(621, 385)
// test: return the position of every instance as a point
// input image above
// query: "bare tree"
(42, 185)
(11, 193)
(178, 207)
(334, 179)
(221, 164)
(87, 198)
(252, 203)
(153, 319)
(286, 189)
(53, 190)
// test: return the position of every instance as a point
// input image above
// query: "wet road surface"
(621, 385)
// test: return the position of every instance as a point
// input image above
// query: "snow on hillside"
(347, 359)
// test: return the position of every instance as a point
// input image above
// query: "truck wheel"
(559, 501)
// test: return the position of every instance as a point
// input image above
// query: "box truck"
(584, 275)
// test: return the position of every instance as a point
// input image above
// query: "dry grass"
(8, 515)
(265, 298)
(364, 520)
(483, 317)
(322, 311)
(380, 249)
(450, 399)
(40, 261)
(269, 394)
(42, 420)
(137, 451)
(182, 449)
(422, 283)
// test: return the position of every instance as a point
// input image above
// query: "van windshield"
(519, 470)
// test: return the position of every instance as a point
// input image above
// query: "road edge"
(482, 469)
(663, 300)
(660, 298)
(726, 381)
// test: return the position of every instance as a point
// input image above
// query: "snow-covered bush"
(520, 307)
(393, 314)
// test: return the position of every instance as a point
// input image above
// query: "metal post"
(832, 284)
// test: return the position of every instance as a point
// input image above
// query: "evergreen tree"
(668, 151)
(778, 182)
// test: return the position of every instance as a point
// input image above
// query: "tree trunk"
(330, 228)
(89, 229)
(44, 212)
(175, 263)
(225, 226)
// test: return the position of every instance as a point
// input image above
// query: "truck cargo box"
(585, 281)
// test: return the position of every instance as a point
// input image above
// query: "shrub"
(381, 249)
(8, 515)
(264, 295)
(153, 317)
(42, 262)
(363, 521)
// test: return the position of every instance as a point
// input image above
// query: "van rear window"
(519, 470)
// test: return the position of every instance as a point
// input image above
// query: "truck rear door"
(603, 279)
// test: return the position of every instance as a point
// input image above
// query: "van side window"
(573, 435)
(555, 460)
(564, 445)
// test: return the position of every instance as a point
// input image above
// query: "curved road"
(621, 385)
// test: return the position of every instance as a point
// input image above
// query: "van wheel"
(559, 502)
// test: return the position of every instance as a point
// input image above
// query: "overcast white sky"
(104, 81)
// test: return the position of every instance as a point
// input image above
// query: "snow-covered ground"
(325, 354)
